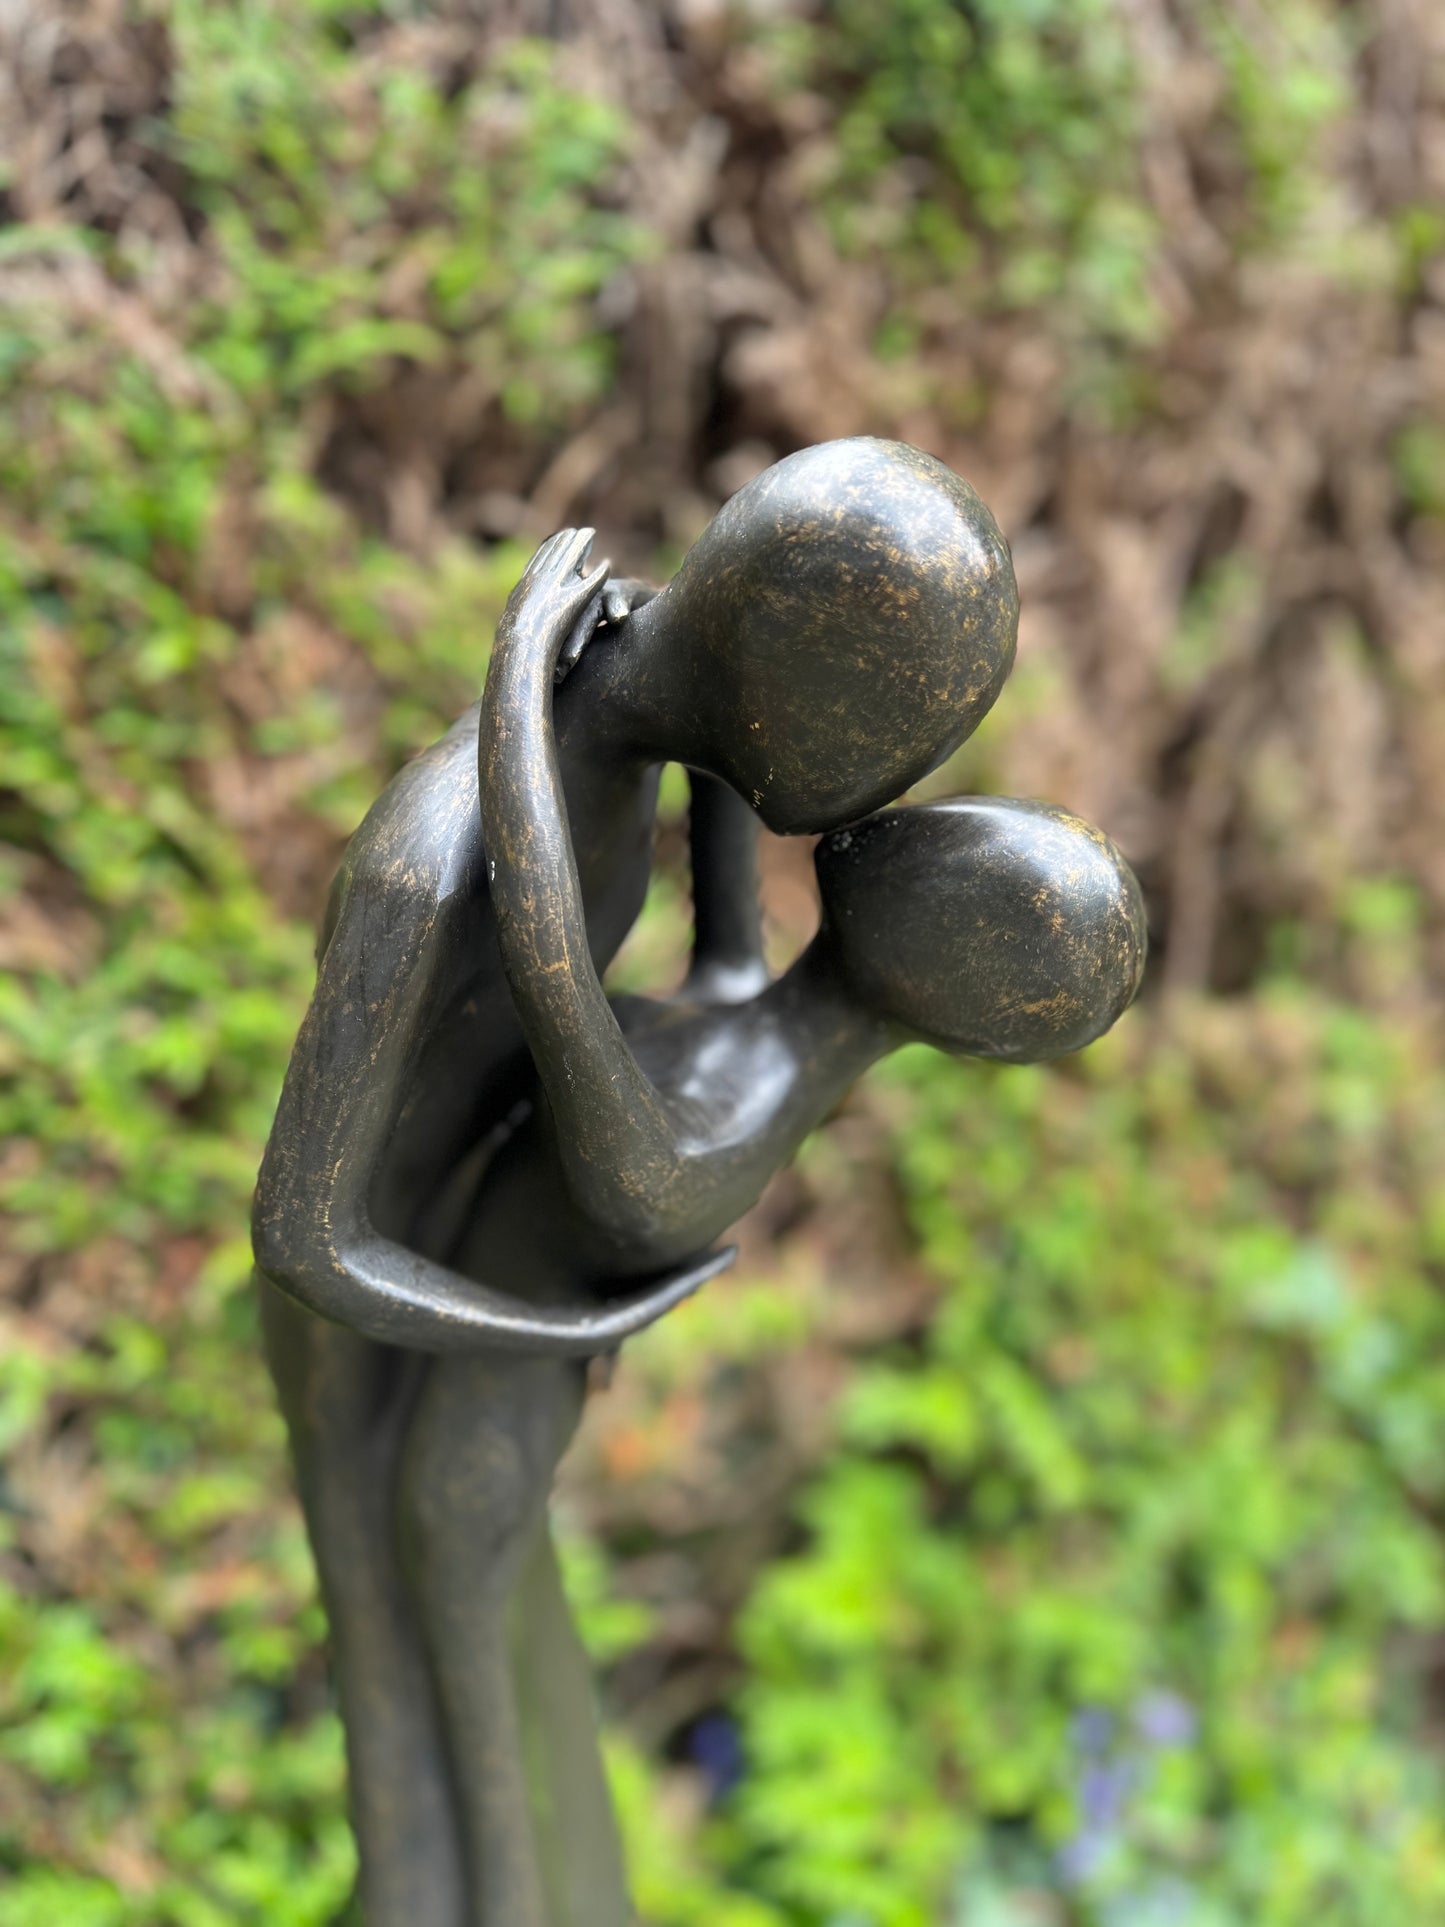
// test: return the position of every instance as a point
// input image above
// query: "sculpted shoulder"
(420, 843)
(393, 946)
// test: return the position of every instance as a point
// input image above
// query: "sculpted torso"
(412, 1053)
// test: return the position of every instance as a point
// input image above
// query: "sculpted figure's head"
(848, 619)
(983, 926)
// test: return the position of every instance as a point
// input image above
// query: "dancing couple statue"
(485, 1171)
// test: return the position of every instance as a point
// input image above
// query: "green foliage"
(1172, 1439)
(966, 126)
(1110, 1592)
(989, 153)
(119, 464)
(306, 162)
(188, 625)
(1289, 86)
(1115, 1585)
(1420, 463)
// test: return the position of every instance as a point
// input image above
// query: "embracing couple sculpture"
(484, 1171)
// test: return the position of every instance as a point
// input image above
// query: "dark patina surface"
(482, 1170)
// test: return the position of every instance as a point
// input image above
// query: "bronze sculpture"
(845, 621)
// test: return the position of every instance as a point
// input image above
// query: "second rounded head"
(984, 926)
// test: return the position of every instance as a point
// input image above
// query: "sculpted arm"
(619, 1147)
(727, 964)
(727, 953)
(312, 1228)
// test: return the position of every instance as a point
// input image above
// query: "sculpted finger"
(637, 1311)
(583, 630)
(629, 592)
(588, 594)
(573, 548)
(596, 581)
(576, 593)
(595, 1328)
(542, 556)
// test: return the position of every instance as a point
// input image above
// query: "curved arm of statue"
(384, 1291)
(379, 981)
(727, 953)
(323, 1249)
(727, 964)
(618, 1146)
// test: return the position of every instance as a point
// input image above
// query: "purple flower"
(1092, 1728)
(1164, 1719)
(1112, 1762)
(714, 1746)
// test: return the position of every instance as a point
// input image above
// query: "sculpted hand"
(554, 608)
(616, 600)
(616, 1141)
(552, 582)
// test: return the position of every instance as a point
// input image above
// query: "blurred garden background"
(1042, 1525)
